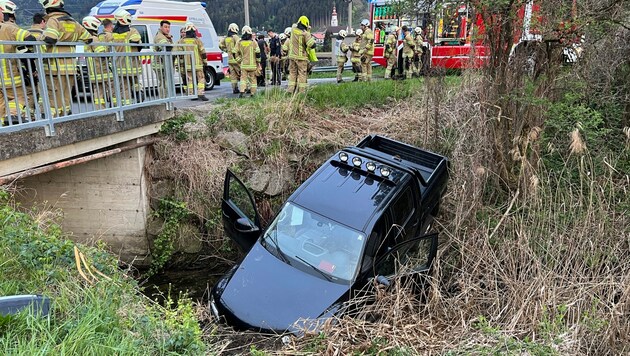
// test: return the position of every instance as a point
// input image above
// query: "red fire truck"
(453, 33)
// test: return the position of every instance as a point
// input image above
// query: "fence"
(43, 87)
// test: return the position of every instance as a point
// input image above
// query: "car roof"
(346, 194)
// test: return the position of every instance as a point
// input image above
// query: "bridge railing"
(45, 86)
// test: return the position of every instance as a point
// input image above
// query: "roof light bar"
(371, 167)
(343, 157)
(385, 172)
(357, 161)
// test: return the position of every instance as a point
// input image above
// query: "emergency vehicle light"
(371, 166)
(357, 161)
(385, 172)
(343, 157)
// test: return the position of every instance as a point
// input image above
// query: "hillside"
(265, 14)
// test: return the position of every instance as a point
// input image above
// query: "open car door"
(241, 221)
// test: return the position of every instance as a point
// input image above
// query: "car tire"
(210, 78)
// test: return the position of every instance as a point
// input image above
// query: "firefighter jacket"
(36, 31)
(12, 68)
(355, 48)
(124, 35)
(299, 44)
(98, 67)
(227, 45)
(391, 42)
(409, 46)
(162, 39)
(198, 51)
(285, 48)
(418, 40)
(61, 27)
(367, 42)
(247, 53)
(342, 52)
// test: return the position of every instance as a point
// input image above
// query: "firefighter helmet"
(49, 4)
(91, 23)
(8, 7)
(418, 30)
(190, 27)
(365, 22)
(343, 33)
(247, 30)
(287, 31)
(282, 37)
(359, 32)
(123, 17)
(233, 27)
(304, 21)
(395, 29)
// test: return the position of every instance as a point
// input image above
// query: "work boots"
(202, 97)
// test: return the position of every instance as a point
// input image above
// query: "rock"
(157, 171)
(200, 112)
(189, 239)
(260, 180)
(235, 141)
(162, 188)
(154, 226)
(271, 180)
(196, 129)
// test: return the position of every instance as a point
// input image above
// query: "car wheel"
(210, 76)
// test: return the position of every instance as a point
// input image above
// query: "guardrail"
(37, 88)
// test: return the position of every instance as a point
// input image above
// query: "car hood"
(267, 294)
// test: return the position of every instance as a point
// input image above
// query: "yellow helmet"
(304, 21)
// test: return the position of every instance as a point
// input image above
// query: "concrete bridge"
(93, 170)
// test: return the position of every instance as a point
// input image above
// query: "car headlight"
(213, 308)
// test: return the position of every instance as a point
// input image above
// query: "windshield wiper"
(328, 277)
(281, 254)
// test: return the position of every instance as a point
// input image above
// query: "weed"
(173, 213)
(175, 127)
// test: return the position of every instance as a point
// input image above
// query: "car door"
(241, 221)
(412, 256)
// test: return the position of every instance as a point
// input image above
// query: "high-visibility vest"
(367, 42)
(61, 27)
(227, 45)
(245, 52)
(198, 51)
(299, 43)
(130, 65)
(98, 67)
(11, 68)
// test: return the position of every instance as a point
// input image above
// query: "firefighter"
(36, 29)
(60, 72)
(408, 52)
(227, 45)
(284, 61)
(355, 58)
(285, 52)
(300, 43)
(367, 50)
(164, 39)
(247, 54)
(342, 54)
(391, 53)
(38, 26)
(196, 46)
(13, 99)
(98, 67)
(127, 68)
(417, 53)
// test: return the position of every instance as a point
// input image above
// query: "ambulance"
(146, 17)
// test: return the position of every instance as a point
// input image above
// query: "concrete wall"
(105, 199)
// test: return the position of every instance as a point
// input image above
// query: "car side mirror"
(382, 280)
(244, 225)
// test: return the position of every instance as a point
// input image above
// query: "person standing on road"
(127, 68)
(300, 43)
(60, 72)
(342, 54)
(275, 53)
(247, 54)
(164, 39)
(98, 68)
(285, 52)
(13, 100)
(391, 53)
(264, 49)
(367, 50)
(227, 45)
(199, 52)
(417, 60)
(408, 52)
(355, 58)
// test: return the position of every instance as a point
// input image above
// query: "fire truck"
(453, 33)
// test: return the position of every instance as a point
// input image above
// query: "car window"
(238, 194)
(403, 207)
(206, 37)
(312, 239)
(410, 256)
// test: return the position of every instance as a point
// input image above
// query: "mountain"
(264, 14)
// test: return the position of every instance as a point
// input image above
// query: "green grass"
(377, 72)
(106, 317)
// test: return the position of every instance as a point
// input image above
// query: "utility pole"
(349, 15)
(246, 12)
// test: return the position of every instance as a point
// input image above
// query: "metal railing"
(45, 87)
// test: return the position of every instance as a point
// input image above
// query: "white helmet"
(190, 27)
(282, 37)
(122, 17)
(247, 30)
(395, 29)
(287, 31)
(343, 33)
(417, 30)
(365, 22)
(48, 4)
(233, 27)
(359, 32)
(8, 7)
(91, 23)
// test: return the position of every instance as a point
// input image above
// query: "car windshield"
(316, 241)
